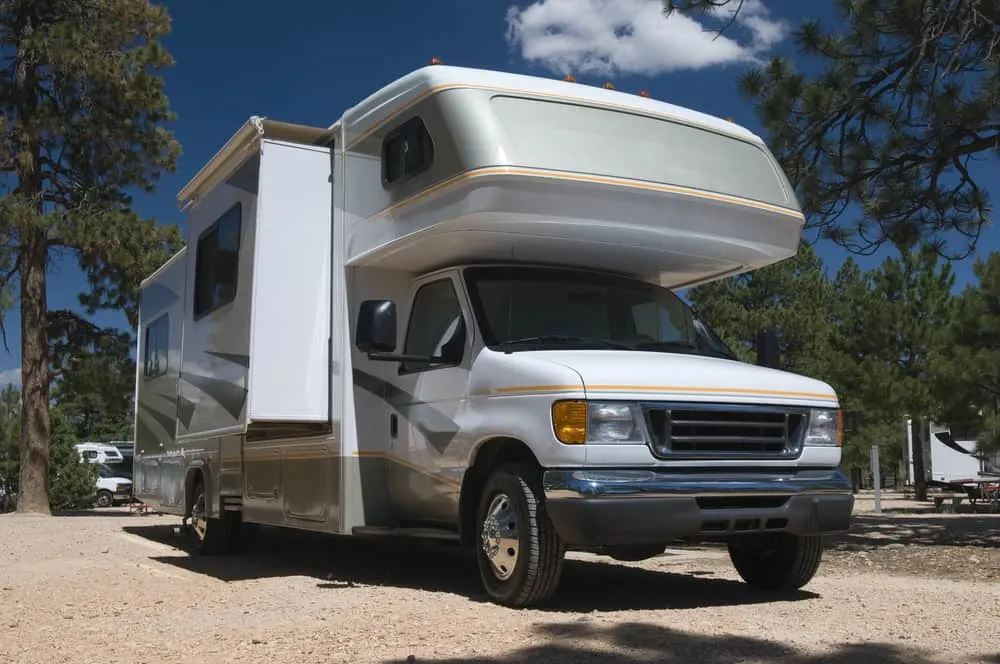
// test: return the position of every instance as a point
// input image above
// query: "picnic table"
(984, 489)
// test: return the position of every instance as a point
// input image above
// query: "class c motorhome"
(451, 314)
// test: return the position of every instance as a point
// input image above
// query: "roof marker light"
(609, 86)
(435, 61)
(569, 78)
(643, 93)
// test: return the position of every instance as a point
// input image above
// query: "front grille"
(686, 431)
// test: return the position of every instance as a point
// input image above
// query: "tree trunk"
(917, 454)
(34, 490)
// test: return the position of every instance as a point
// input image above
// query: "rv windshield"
(529, 308)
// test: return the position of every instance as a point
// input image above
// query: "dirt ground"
(104, 586)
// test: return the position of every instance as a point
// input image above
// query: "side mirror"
(768, 353)
(376, 331)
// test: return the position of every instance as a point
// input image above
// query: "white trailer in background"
(956, 464)
(450, 314)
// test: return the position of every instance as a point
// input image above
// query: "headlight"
(825, 428)
(601, 422)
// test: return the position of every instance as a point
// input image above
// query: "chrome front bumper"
(596, 507)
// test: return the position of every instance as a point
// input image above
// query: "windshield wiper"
(664, 345)
(684, 346)
(568, 338)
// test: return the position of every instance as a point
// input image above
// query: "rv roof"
(233, 152)
(390, 99)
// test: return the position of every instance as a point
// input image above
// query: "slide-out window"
(217, 263)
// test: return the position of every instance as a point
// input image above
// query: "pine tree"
(906, 99)
(858, 370)
(10, 443)
(970, 360)
(72, 480)
(790, 297)
(905, 330)
(83, 107)
(94, 377)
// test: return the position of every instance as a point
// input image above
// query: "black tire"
(105, 498)
(776, 562)
(539, 551)
(210, 536)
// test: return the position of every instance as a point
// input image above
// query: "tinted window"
(406, 152)
(155, 347)
(437, 328)
(217, 263)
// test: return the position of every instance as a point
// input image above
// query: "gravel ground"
(104, 586)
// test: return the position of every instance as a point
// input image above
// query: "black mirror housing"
(768, 352)
(376, 332)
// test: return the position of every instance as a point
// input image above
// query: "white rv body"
(943, 463)
(98, 452)
(263, 391)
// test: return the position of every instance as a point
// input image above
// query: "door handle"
(393, 425)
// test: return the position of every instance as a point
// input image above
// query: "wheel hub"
(500, 536)
(198, 521)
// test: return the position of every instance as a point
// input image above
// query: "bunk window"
(155, 347)
(406, 152)
(217, 263)
(437, 327)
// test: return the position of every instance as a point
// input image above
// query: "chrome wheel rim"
(499, 536)
(198, 521)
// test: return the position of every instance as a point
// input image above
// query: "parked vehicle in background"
(99, 452)
(112, 488)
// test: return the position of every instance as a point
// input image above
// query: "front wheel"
(778, 561)
(105, 498)
(518, 552)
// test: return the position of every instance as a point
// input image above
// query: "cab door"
(422, 427)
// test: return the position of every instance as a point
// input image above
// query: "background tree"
(94, 377)
(83, 110)
(859, 371)
(791, 297)
(906, 96)
(10, 443)
(904, 334)
(970, 358)
(73, 481)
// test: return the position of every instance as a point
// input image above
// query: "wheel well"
(194, 476)
(492, 453)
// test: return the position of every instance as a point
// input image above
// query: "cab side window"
(436, 328)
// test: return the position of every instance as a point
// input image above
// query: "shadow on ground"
(97, 511)
(341, 562)
(957, 530)
(635, 643)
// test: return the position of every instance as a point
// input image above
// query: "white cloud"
(10, 377)
(610, 37)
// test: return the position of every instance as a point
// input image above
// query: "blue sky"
(307, 61)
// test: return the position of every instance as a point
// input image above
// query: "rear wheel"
(778, 561)
(210, 536)
(518, 552)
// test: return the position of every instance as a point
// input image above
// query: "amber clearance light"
(569, 419)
